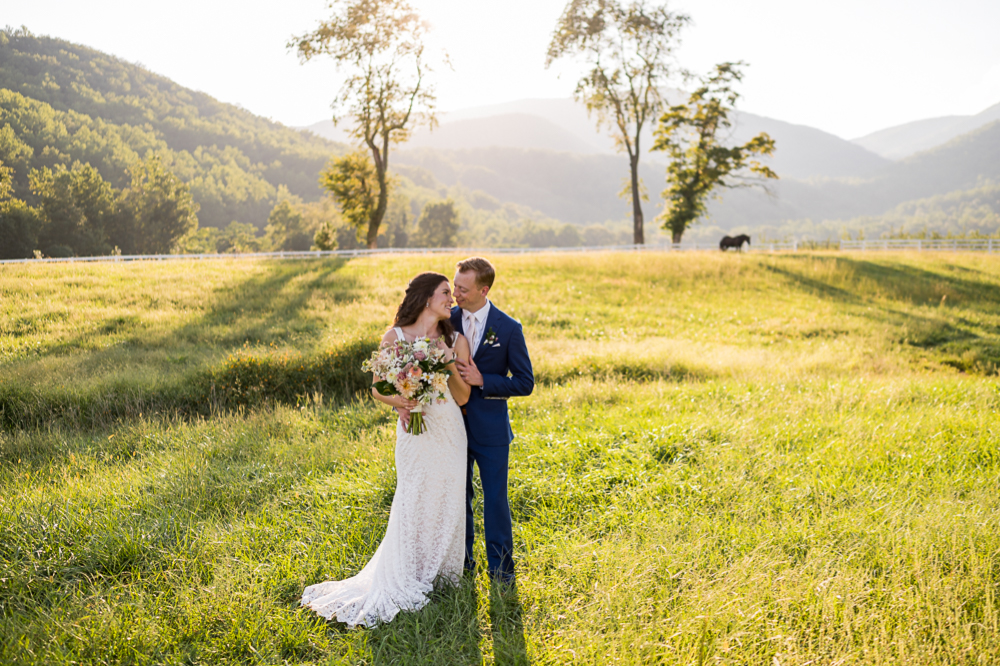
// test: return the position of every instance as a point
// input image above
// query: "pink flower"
(420, 356)
(406, 369)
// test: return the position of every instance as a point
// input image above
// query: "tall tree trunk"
(376, 221)
(637, 222)
(676, 236)
(381, 166)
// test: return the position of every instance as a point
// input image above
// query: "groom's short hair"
(485, 274)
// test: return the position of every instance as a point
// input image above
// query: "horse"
(734, 242)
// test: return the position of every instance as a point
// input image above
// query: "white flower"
(440, 382)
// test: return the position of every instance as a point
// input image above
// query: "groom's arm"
(522, 378)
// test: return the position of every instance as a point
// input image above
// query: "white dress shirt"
(480, 325)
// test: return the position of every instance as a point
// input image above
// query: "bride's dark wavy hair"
(418, 292)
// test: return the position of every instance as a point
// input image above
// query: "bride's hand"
(404, 403)
(403, 409)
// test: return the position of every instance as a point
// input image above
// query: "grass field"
(762, 459)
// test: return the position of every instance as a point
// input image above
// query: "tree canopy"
(628, 48)
(379, 43)
(693, 136)
(161, 210)
(354, 184)
(438, 225)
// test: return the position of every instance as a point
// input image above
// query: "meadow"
(727, 459)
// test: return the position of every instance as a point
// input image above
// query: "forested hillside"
(908, 139)
(965, 163)
(91, 145)
(68, 103)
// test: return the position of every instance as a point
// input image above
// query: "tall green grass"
(783, 459)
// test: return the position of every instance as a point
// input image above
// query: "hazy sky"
(848, 67)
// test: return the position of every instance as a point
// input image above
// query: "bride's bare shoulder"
(390, 336)
(461, 344)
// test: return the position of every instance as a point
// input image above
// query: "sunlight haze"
(849, 68)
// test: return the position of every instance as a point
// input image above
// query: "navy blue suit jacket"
(486, 411)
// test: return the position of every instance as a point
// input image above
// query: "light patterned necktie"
(470, 333)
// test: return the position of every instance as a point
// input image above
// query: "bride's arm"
(395, 401)
(459, 389)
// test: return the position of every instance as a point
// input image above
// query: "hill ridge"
(235, 161)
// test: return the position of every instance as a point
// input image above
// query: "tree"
(629, 50)
(6, 180)
(161, 208)
(397, 219)
(380, 44)
(18, 222)
(438, 225)
(689, 133)
(205, 240)
(79, 209)
(353, 182)
(285, 228)
(325, 239)
(238, 238)
(15, 154)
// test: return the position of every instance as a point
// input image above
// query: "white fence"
(677, 247)
(979, 245)
(919, 244)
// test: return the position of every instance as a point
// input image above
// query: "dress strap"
(399, 334)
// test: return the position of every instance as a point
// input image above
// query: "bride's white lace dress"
(425, 539)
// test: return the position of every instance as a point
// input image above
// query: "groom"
(498, 368)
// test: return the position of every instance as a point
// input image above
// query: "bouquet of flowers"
(415, 370)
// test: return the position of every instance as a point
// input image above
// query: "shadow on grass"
(268, 307)
(918, 286)
(263, 308)
(899, 282)
(956, 341)
(507, 626)
(445, 632)
(637, 370)
(244, 380)
(814, 286)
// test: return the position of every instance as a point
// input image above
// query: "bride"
(425, 540)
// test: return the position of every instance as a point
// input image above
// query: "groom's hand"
(470, 373)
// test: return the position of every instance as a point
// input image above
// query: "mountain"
(804, 152)
(563, 125)
(908, 139)
(510, 130)
(580, 189)
(68, 102)
(966, 163)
